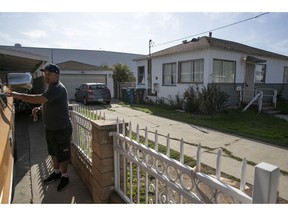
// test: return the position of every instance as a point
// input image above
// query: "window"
(82, 87)
(191, 71)
(285, 77)
(141, 75)
(169, 74)
(224, 71)
(260, 71)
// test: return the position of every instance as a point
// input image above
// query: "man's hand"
(9, 94)
(35, 110)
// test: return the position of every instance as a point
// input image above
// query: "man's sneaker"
(63, 183)
(52, 177)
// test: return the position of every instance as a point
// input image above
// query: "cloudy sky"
(129, 29)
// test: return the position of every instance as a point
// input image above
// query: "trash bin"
(130, 95)
(124, 94)
(139, 96)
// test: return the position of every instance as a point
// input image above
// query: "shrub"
(177, 103)
(190, 99)
(209, 100)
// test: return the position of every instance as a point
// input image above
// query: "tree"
(122, 73)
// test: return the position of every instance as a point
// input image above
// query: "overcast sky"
(126, 31)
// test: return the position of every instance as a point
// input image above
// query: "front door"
(248, 92)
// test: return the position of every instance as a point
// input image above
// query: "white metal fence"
(81, 117)
(144, 174)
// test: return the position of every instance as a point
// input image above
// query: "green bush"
(191, 100)
(176, 103)
(209, 100)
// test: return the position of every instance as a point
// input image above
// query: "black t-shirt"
(55, 110)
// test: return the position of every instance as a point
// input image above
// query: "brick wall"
(98, 176)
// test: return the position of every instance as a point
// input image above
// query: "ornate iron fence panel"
(145, 175)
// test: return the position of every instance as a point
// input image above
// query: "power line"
(255, 17)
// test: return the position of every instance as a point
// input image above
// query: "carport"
(16, 61)
(21, 62)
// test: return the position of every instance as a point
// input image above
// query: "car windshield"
(94, 87)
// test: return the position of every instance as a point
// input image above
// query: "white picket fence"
(81, 117)
(145, 175)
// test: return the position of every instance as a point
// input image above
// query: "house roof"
(211, 42)
(75, 65)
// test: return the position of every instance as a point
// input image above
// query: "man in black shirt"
(56, 121)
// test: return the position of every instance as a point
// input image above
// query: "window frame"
(138, 75)
(285, 75)
(263, 75)
(171, 74)
(223, 61)
(192, 70)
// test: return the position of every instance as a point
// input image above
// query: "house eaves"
(237, 47)
(210, 42)
(195, 44)
(75, 65)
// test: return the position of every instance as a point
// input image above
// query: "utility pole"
(149, 72)
(150, 45)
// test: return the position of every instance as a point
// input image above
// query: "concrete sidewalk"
(240, 147)
(33, 164)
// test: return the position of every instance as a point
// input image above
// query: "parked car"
(93, 92)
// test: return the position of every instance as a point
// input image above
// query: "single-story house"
(236, 68)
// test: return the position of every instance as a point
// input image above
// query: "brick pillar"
(102, 160)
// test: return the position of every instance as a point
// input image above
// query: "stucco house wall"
(273, 78)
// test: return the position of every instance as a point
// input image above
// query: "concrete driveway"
(32, 165)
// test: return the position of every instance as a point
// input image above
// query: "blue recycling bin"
(130, 95)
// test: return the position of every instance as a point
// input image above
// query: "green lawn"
(248, 124)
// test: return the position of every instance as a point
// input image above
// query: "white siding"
(230, 56)
(274, 68)
(171, 91)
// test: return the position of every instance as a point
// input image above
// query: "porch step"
(268, 109)
(271, 112)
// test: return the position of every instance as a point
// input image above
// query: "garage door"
(72, 81)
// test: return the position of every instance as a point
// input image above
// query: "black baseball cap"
(51, 68)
